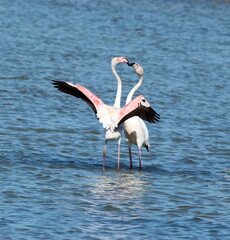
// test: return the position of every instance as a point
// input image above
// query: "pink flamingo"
(136, 131)
(109, 116)
(116, 133)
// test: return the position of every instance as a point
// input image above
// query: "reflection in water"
(123, 188)
(116, 202)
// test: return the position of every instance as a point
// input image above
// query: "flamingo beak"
(130, 64)
(126, 60)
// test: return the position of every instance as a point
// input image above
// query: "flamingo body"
(136, 135)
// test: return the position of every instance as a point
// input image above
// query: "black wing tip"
(61, 86)
(154, 116)
(56, 83)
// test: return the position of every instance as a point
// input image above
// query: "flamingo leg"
(104, 154)
(139, 154)
(130, 159)
(118, 153)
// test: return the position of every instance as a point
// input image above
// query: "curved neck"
(117, 102)
(134, 89)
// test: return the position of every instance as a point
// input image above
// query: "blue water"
(52, 183)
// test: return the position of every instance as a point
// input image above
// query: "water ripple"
(52, 182)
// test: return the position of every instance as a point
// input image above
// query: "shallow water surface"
(52, 183)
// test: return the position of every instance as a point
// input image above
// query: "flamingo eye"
(143, 100)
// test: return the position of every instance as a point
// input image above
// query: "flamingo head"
(118, 60)
(138, 68)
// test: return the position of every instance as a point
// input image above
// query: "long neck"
(134, 89)
(117, 102)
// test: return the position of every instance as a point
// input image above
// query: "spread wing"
(79, 91)
(139, 107)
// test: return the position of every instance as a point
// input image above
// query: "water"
(52, 183)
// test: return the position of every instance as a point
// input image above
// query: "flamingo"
(117, 132)
(136, 131)
(111, 117)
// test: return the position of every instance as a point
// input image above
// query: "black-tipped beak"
(130, 64)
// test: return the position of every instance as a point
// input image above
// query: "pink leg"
(118, 157)
(139, 153)
(104, 154)
(130, 159)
